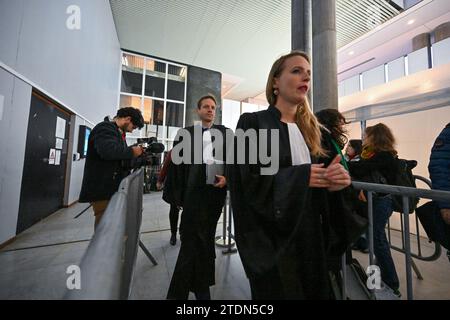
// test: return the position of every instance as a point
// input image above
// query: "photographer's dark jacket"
(104, 168)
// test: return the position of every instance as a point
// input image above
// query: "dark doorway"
(44, 168)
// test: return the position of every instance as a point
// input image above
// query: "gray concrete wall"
(202, 82)
(14, 112)
(78, 68)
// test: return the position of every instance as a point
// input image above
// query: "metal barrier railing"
(226, 240)
(405, 193)
(419, 256)
(107, 266)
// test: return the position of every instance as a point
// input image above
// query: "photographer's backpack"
(404, 177)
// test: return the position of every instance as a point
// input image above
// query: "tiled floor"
(34, 265)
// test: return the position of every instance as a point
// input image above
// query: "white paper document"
(60, 128)
(58, 158)
(59, 143)
(52, 156)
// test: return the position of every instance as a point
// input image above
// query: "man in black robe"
(201, 203)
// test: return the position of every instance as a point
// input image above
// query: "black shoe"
(206, 295)
(173, 239)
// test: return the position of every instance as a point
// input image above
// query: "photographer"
(109, 158)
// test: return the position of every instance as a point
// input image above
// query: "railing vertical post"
(344, 276)
(225, 213)
(407, 249)
(230, 242)
(402, 229)
(419, 245)
(370, 214)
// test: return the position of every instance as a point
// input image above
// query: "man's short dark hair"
(135, 114)
(209, 96)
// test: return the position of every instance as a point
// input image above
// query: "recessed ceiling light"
(410, 22)
(351, 53)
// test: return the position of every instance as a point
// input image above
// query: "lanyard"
(343, 162)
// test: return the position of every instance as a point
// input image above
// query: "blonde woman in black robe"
(278, 218)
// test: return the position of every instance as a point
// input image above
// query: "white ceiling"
(239, 38)
(393, 39)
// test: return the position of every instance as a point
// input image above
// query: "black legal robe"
(202, 206)
(280, 225)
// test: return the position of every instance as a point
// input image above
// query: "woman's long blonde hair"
(305, 119)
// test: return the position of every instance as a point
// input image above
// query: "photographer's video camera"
(152, 150)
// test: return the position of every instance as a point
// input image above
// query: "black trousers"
(173, 217)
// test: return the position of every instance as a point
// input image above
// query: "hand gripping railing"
(405, 193)
(107, 266)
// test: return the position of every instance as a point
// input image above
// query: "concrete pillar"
(325, 82)
(301, 33)
(442, 32)
(301, 22)
(421, 41)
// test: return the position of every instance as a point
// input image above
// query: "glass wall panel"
(441, 52)
(396, 69)
(130, 101)
(175, 114)
(373, 77)
(351, 85)
(418, 61)
(176, 83)
(153, 111)
(162, 88)
(132, 74)
(155, 79)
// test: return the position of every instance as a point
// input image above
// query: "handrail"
(107, 265)
(437, 247)
(405, 192)
(436, 195)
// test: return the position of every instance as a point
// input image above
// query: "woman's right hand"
(317, 178)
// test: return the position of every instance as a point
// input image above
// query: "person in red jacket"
(174, 211)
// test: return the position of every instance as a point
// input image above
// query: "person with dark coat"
(174, 210)
(201, 203)
(278, 217)
(351, 209)
(378, 165)
(106, 160)
(439, 169)
(353, 151)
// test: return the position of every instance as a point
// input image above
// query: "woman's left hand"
(337, 175)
